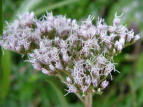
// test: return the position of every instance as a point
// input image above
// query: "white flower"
(56, 44)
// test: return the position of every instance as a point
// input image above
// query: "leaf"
(59, 94)
(139, 67)
(6, 70)
(54, 6)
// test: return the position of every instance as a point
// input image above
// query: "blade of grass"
(6, 69)
(59, 94)
(30, 4)
(1, 26)
(54, 6)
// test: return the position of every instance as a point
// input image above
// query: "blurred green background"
(22, 86)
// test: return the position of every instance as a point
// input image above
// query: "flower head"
(56, 44)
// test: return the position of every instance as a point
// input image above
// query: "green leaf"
(1, 26)
(54, 6)
(6, 70)
(60, 96)
(139, 67)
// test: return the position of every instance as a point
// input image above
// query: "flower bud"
(57, 40)
(104, 84)
(37, 66)
(130, 35)
(112, 29)
(45, 71)
(122, 41)
(137, 37)
(87, 80)
(49, 29)
(32, 55)
(88, 23)
(18, 48)
(98, 90)
(43, 29)
(73, 21)
(58, 65)
(116, 21)
(26, 46)
(52, 67)
(69, 21)
(50, 18)
(69, 79)
(65, 58)
(72, 89)
(84, 34)
(119, 48)
(84, 88)
(112, 36)
(13, 44)
(95, 82)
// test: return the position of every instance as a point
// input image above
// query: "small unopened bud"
(98, 90)
(26, 46)
(32, 15)
(112, 36)
(84, 34)
(37, 66)
(50, 18)
(18, 48)
(122, 41)
(104, 84)
(45, 71)
(84, 88)
(87, 80)
(58, 65)
(137, 37)
(65, 57)
(112, 29)
(57, 40)
(43, 30)
(49, 29)
(130, 36)
(109, 45)
(69, 21)
(88, 24)
(69, 79)
(72, 88)
(118, 46)
(95, 82)
(13, 44)
(52, 67)
(116, 21)
(32, 55)
(63, 44)
(73, 21)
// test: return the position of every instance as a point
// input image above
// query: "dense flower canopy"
(57, 45)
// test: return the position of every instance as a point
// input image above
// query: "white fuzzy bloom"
(56, 44)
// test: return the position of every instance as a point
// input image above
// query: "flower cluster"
(57, 45)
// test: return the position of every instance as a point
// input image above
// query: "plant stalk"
(88, 100)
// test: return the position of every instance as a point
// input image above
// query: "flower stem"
(88, 100)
